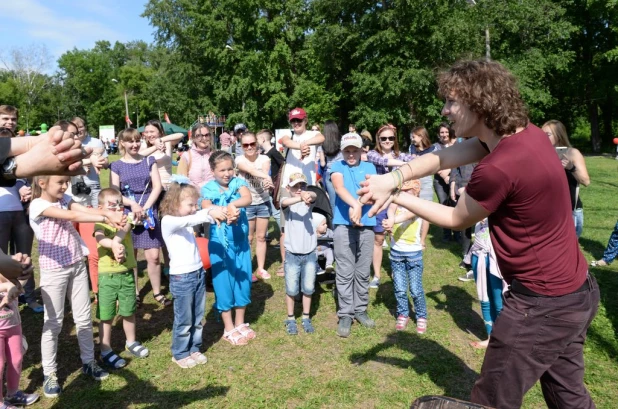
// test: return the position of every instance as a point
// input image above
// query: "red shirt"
(522, 184)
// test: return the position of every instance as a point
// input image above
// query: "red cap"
(297, 113)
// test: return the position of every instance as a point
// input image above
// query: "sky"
(62, 25)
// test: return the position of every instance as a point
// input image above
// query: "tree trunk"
(593, 116)
(487, 45)
(607, 110)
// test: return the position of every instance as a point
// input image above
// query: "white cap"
(351, 139)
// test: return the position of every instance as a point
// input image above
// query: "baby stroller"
(322, 206)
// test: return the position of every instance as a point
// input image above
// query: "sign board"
(106, 133)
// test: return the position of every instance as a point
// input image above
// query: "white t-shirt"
(259, 195)
(294, 164)
(180, 241)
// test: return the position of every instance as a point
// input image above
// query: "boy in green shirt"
(116, 283)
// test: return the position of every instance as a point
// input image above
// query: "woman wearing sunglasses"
(254, 169)
(194, 162)
(385, 157)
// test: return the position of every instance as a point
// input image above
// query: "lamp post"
(126, 104)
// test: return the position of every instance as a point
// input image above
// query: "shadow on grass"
(443, 367)
(435, 238)
(593, 247)
(460, 305)
(136, 392)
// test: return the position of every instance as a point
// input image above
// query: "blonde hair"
(127, 135)
(559, 131)
(36, 189)
(174, 195)
(108, 193)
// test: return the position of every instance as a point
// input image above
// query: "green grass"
(372, 369)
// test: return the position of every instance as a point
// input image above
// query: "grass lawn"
(378, 368)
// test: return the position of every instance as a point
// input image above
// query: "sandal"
(263, 274)
(246, 332)
(162, 299)
(280, 271)
(598, 263)
(234, 337)
(307, 325)
(112, 360)
(290, 327)
(137, 350)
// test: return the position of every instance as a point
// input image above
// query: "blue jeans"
(578, 219)
(300, 271)
(189, 292)
(407, 270)
(611, 251)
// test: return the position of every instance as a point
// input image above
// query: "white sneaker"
(468, 277)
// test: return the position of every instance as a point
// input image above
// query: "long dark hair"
(157, 124)
(332, 138)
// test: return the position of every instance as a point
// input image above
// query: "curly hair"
(489, 90)
(174, 195)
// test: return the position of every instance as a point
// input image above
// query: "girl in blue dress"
(230, 253)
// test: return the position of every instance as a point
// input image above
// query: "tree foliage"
(362, 61)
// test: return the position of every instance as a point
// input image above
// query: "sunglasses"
(248, 145)
(197, 136)
(296, 121)
(387, 138)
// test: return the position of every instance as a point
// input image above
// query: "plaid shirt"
(59, 243)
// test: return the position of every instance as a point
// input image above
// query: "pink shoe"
(402, 323)
(263, 274)
(421, 325)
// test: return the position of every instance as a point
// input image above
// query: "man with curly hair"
(519, 185)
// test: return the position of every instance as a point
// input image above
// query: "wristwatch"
(8, 168)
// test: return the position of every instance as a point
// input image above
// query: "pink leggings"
(11, 353)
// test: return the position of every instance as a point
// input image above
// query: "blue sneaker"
(93, 369)
(51, 387)
(22, 399)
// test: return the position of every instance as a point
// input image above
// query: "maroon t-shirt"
(521, 182)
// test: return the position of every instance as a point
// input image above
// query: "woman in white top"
(258, 213)
(159, 146)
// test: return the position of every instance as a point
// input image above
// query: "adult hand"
(305, 150)
(160, 145)
(267, 183)
(54, 153)
(567, 163)
(25, 193)
(138, 212)
(376, 189)
(98, 162)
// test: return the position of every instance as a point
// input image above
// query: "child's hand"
(219, 214)
(232, 213)
(26, 265)
(25, 193)
(306, 197)
(388, 224)
(356, 212)
(15, 291)
(119, 252)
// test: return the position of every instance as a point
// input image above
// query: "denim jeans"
(408, 271)
(611, 251)
(578, 219)
(189, 292)
(300, 271)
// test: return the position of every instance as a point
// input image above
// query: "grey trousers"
(353, 255)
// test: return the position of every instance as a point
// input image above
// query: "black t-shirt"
(276, 160)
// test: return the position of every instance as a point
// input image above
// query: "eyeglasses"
(387, 138)
(296, 121)
(248, 145)
(197, 136)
